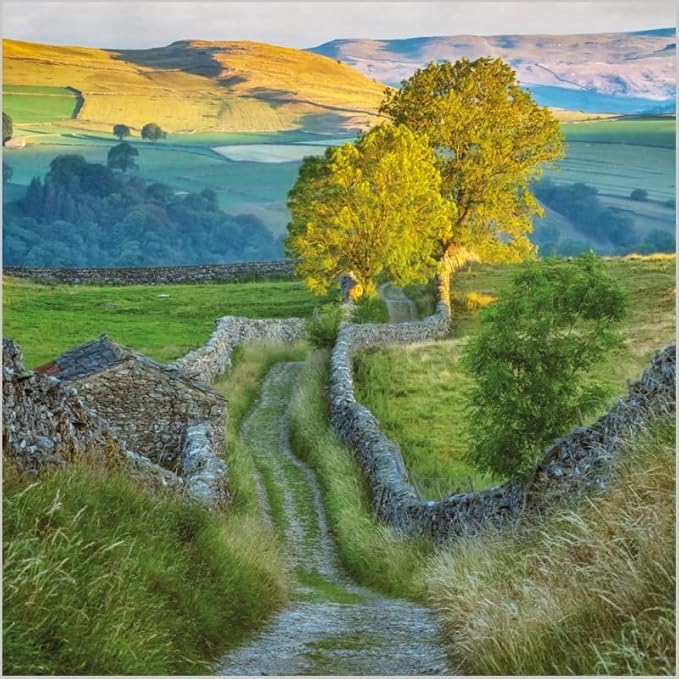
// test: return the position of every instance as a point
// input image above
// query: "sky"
(123, 24)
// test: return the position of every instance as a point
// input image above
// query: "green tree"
(121, 131)
(7, 127)
(492, 141)
(639, 195)
(369, 208)
(7, 172)
(531, 357)
(153, 132)
(122, 157)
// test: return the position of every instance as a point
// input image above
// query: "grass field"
(185, 162)
(164, 321)
(645, 131)
(26, 104)
(419, 392)
(616, 156)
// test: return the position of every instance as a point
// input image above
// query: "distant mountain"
(198, 85)
(598, 72)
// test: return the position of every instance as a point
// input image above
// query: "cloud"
(304, 24)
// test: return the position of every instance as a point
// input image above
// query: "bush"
(530, 358)
(322, 327)
(639, 195)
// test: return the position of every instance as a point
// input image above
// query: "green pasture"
(419, 393)
(642, 131)
(163, 321)
(26, 104)
(616, 156)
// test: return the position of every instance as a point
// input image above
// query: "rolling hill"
(189, 85)
(622, 73)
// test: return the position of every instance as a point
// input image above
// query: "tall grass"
(371, 552)
(592, 591)
(101, 578)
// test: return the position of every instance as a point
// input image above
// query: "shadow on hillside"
(178, 56)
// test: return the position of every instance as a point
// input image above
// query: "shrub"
(530, 358)
(322, 327)
(639, 195)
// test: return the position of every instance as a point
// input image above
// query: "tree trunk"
(453, 260)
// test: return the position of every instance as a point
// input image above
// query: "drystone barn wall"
(45, 424)
(235, 272)
(212, 360)
(576, 462)
(149, 409)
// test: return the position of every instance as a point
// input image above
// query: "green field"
(28, 104)
(644, 131)
(615, 156)
(185, 162)
(163, 321)
(418, 393)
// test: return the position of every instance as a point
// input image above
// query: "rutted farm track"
(332, 625)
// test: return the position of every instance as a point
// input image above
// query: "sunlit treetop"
(492, 140)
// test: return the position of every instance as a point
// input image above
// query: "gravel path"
(332, 625)
(400, 307)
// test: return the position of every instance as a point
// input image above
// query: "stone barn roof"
(102, 353)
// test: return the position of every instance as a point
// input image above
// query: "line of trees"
(151, 131)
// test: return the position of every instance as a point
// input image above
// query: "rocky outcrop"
(156, 275)
(212, 360)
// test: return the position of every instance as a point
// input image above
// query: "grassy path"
(400, 307)
(332, 626)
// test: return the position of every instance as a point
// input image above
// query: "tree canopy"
(492, 140)
(153, 132)
(121, 131)
(531, 357)
(122, 157)
(7, 127)
(369, 208)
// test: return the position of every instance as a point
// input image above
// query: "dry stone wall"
(205, 472)
(234, 272)
(212, 360)
(573, 463)
(148, 409)
(46, 425)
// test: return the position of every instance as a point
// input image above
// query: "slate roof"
(102, 353)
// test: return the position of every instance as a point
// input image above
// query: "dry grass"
(592, 591)
(197, 85)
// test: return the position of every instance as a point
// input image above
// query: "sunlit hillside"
(187, 86)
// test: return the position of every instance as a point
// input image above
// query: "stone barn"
(148, 405)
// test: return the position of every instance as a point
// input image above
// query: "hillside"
(604, 72)
(187, 86)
